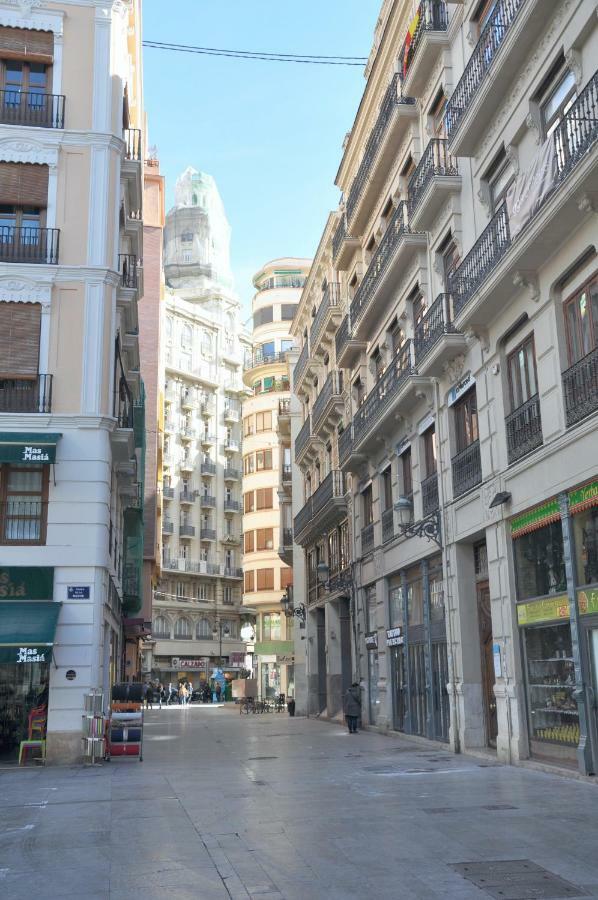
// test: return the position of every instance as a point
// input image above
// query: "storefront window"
(23, 690)
(585, 528)
(270, 682)
(374, 700)
(395, 599)
(436, 591)
(415, 597)
(551, 681)
(271, 627)
(539, 562)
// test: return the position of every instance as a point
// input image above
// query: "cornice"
(31, 14)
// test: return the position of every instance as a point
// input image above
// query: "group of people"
(181, 693)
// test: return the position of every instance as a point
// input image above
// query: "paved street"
(244, 806)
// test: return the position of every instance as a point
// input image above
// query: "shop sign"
(583, 497)
(371, 640)
(31, 654)
(556, 608)
(536, 517)
(22, 582)
(236, 658)
(460, 388)
(70, 675)
(394, 637)
(178, 663)
(286, 659)
(77, 592)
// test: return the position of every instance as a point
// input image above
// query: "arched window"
(229, 629)
(204, 629)
(161, 628)
(182, 629)
(186, 336)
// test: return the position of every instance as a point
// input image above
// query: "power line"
(267, 56)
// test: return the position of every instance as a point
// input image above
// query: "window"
(206, 343)
(585, 526)
(521, 365)
(386, 490)
(263, 316)
(186, 336)
(358, 391)
(377, 363)
(249, 582)
(263, 421)
(498, 179)
(248, 464)
(263, 498)
(286, 577)
(19, 355)
(182, 629)
(406, 472)
(204, 629)
(419, 307)
(539, 562)
(436, 114)
(205, 591)
(449, 257)
(370, 607)
(161, 628)
(367, 506)
(227, 596)
(581, 321)
(23, 504)
(482, 14)
(264, 539)
(265, 579)
(271, 627)
(286, 345)
(248, 502)
(466, 420)
(287, 312)
(187, 237)
(268, 350)
(429, 440)
(397, 336)
(248, 426)
(556, 96)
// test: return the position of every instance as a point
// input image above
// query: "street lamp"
(428, 527)
(289, 608)
(217, 632)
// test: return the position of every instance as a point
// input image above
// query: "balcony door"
(20, 325)
(581, 321)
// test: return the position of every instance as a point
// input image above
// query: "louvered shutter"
(24, 184)
(19, 338)
(23, 43)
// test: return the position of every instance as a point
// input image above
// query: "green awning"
(27, 630)
(28, 447)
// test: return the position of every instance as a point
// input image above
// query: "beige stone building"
(71, 396)
(267, 473)
(464, 428)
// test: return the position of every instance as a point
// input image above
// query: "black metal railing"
(187, 496)
(397, 227)
(580, 387)
(391, 102)
(430, 501)
(187, 530)
(127, 266)
(435, 323)
(345, 444)
(303, 517)
(433, 16)
(578, 130)
(338, 237)
(29, 245)
(259, 358)
(207, 500)
(333, 386)
(287, 537)
(282, 281)
(231, 411)
(383, 392)
(342, 336)
(23, 521)
(388, 525)
(302, 439)
(28, 108)
(167, 527)
(330, 300)
(467, 469)
(332, 488)
(207, 534)
(232, 572)
(207, 438)
(232, 506)
(301, 363)
(524, 429)
(436, 161)
(168, 493)
(481, 60)
(284, 407)
(208, 468)
(481, 260)
(287, 472)
(231, 474)
(132, 138)
(26, 395)
(367, 538)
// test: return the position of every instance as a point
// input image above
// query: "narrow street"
(241, 806)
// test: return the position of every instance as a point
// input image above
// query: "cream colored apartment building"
(450, 393)
(267, 472)
(71, 396)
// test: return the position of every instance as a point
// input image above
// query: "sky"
(270, 133)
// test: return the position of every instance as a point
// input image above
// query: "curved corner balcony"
(256, 362)
(436, 338)
(421, 53)
(502, 48)
(434, 180)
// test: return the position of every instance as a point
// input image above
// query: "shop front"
(555, 551)
(275, 662)
(28, 618)
(418, 650)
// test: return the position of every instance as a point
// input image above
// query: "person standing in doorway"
(352, 707)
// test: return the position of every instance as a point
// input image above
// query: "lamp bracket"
(429, 527)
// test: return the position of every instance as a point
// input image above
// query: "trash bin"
(291, 707)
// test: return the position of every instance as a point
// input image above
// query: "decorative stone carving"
(12, 150)
(480, 334)
(529, 281)
(533, 125)
(512, 155)
(471, 36)
(25, 6)
(21, 16)
(23, 290)
(453, 368)
(483, 196)
(585, 203)
(573, 60)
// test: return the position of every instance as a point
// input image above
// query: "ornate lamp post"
(428, 527)
(289, 609)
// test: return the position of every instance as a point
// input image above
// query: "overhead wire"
(264, 55)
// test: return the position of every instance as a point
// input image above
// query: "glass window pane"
(539, 563)
(24, 479)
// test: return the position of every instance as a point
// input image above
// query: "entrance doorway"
(487, 662)
(321, 657)
(346, 661)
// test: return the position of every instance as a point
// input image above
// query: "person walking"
(147, 695)
(352, 707)
(217, 692)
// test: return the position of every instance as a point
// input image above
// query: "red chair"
(36, 734)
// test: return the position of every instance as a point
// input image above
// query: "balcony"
(419, 55)
(436, 339)
(29, 245)
(327, 505)
(132, 139)
(231, 413)
(394, 253)
(186, 465)
(285, 550)
(190, 566)
(188, 400)
(303, 439)
(258, 359)
(167, 527)
(187, 434)
(330, 399)
(284, 417)
(207, 440)
(429, 489)
(231, 445)
(345, 445)
(186, 531)
(187, 496)
(231, 474)
(436, 177)
(207, 500)
(232, 572)
(395, 115)
(208, 468)
(168, 493)
(524, 429)
(501, 50)
(347, 350)
(287, 474)
(343, 245)
(32, 109)
(127, 267)
(230, 538)
(206, 408)
(388, 525)
(367, 539)
(580, 387)
(328, 312)
(207, 534)
(467, 469)
(301, 365)
(287, 537)
(233, 506)
(26, 395)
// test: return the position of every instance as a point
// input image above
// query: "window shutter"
(23, 43)
(19, 338)
(24, 184)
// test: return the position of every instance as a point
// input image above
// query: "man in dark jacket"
(352, 707)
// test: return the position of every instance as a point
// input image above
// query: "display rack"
(125, 726)
(94, 730)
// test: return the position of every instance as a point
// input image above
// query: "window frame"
(466, 419)
(573, 301)
(40, 497)
(514, 372)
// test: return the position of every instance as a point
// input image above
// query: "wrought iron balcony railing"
(524, 429)
(127, 266)
(187, 496)
(388, 525)
(168, 493)
(287, 473)
(29, 108)
(284, 407)
(330, 300)
(432, 16)
(26, 395)
(259, 358)
(207, 500)
(132, 138)
(207, 534)
(232, 572)
(282, 281)
(23, 521)
(481, 60)
(302, 439)
(467, 469)
(231, 474)
(580, 387)
(29, 245)
(367, 538)
(303, 517)
(208, 468)
(301, 363)
(383, 392)
(187, 530)
(232, 506)
(432, 327)
(338, 237)
(167, 527)
(333, 487)
(333, 386)
(436, 161)
(342, 336)
(345, 444)
(430, 501)
(481, 260)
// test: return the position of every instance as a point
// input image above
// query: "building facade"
(267, 472)
(464, 429)
(197, 602)
(71, 395)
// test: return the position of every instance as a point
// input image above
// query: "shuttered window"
(19, 338)
(23, 184)
(265, 579)
(23, 43)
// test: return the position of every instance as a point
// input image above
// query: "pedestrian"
(183, 693)
(217, 692)
(160, 694)
(352, 707)
(147, 694)
(169, 693)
